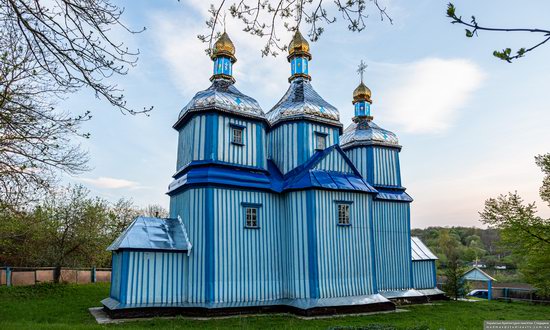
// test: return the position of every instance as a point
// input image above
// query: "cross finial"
(361, 69)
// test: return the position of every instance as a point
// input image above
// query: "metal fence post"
(8, 276)
(93, 277)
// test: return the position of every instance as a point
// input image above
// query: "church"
(278, 211)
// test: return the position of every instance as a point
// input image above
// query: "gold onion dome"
(362, 93)
(224, 47)
(298, 46)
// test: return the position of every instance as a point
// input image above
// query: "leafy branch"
(505, 54)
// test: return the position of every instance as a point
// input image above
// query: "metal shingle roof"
(147, 233)
(302, 101)
(222, 95)
(420, 251)
(367, 132)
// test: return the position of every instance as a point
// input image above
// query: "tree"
(263, 18)
(506, 54)
(48, 50)
(154, 210)
(522, 231)
(454, 285)
(35, 139)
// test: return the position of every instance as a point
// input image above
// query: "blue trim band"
(312, 245)
(209, 261)
(372, 252)
(123, 288)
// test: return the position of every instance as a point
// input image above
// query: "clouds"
(428, 94)
(110, 183)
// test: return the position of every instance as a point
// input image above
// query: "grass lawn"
(66, 306)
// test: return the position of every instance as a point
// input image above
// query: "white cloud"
(190, 68)
(110, 183)
(429, 93)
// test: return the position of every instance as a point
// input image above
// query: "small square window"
(320, 141)
(251, 217)
(343, 214)
(237, 135)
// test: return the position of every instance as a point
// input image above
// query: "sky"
(470, 124)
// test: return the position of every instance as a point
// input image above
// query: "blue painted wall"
(392, 245)
(334, 162)
(379, 165)
(344, 253)
(150, 278)
(424, 274)
(209, 136)
(293, 143)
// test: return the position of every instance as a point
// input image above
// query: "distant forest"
(474, 244)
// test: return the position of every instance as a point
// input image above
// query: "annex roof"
(420, 251)
(146, 233)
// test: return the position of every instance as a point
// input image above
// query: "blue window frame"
(237, 134)
(251, 215)
(320, 141)
(343, 212)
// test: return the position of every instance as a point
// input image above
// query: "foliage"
(68, 228)
(523, 232)
(263, 18)
(454, 284)
(66, 307)
(48, 50)
(505, 54)
(473, 244)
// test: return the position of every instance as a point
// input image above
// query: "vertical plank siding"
(190, 206)
(115, 275)
(334, 162)
(295, 252)
(293, 143)
(424, 274)
(386, 167)
(379, 165)
(191, 141)
(154, 278)
(344, 252)
(248, 261)
(251, 152)
(208, 137)
(392, 245)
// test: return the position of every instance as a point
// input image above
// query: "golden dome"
(362, 93)
(224, 46)
(298, 46)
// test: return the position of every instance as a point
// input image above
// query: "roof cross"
(361, 69)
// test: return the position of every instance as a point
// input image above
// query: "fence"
(519, 292)
(29, 276)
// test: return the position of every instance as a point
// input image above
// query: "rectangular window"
(251, 217)
(237, 135)
(343, 214)
(320, 141)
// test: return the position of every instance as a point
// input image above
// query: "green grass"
(66, 307)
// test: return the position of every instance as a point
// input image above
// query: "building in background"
(275, 211)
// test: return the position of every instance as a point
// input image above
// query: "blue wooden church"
(276, 211)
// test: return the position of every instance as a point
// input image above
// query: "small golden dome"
(224, 46)
(298, 46)
(362, 93)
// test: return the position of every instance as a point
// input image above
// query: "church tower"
(375, 153)
(302, 122)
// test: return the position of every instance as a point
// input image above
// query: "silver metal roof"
(223, 96)
(367, 132)
(420, 251)
(302, 101)
(153, 234)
